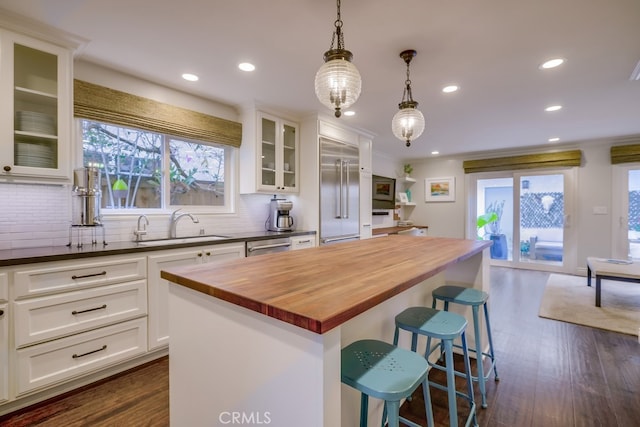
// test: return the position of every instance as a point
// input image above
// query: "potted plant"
(483, 220)
(493, 212)
(408, 169)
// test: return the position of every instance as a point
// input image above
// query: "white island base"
(233, 366)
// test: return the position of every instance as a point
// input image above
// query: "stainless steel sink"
(179, 240)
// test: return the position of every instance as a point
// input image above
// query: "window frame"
(231, 158)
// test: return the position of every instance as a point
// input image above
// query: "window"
(148, 170)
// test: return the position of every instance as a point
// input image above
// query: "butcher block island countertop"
(262, 336)
(320, 288)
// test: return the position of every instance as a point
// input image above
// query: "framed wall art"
(440, 189)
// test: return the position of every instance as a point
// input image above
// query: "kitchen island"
(259, 340)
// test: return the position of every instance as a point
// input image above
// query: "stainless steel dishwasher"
(260, 247)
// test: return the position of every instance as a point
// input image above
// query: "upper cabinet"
(36, 114)
(269, 155)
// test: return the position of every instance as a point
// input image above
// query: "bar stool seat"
(474, 298)
(446, 327)
(381, 370)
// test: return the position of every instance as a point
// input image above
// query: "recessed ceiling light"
(552, 63)
(553, 108)
(246, 66)
(449, 89)
(555, 139)
(435, 152)
(350, 113)
(190, 77)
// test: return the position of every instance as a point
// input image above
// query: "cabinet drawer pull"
(74, 277)
(102, 307)
(304, 241)
(76, 356)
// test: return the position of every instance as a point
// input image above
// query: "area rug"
(569, 299)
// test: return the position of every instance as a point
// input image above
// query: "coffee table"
(611, 269)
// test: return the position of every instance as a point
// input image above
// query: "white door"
(625, 212)
(535, 211)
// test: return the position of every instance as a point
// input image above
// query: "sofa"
(546, 244)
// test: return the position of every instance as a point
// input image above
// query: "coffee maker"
(279, 217)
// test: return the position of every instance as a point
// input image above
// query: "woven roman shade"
(625, 154)
(528, 161)
(107, 105)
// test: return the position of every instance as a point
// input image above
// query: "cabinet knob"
(1, 313)
(208, 253)
(199, 254)
(7, 168)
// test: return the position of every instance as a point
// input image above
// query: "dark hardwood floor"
(139, 397)
(552, 374)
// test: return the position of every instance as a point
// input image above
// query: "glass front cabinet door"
(37, 112)
(278, 171)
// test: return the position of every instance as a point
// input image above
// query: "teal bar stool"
(474, 298)
(381, 370)
(446, 327)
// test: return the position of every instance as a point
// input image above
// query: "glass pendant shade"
(408, 124)
(338, 84)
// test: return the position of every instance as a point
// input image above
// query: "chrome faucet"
(174, 222)
(141, 230)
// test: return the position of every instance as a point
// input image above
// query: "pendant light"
(408, 123)
(338, 81)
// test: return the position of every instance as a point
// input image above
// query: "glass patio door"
(542, 219)
(531, 227)
(626, 212)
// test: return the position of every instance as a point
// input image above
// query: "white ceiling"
(490, 48)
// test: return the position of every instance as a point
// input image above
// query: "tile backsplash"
(40, 215)
(34, 215)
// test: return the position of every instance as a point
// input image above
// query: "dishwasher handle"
(275, 245)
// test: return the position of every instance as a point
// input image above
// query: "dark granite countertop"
(10, 257)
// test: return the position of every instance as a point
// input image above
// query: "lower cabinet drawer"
(63, 276)
(56, 361)
(45, 318)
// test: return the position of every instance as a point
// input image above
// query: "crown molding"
(36, 29)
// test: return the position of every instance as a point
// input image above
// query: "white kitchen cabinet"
(158, 289)
(269, 155)
(4, 287)
(4, 337)
(54, 277)
(365, 187)
(74, 317)
(48, 363)
(37, 109)
(4, 352)
(302, 242)
(52, 316)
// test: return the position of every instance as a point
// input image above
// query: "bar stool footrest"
(487, 372)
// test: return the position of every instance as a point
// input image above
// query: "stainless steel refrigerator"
(339, 192)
